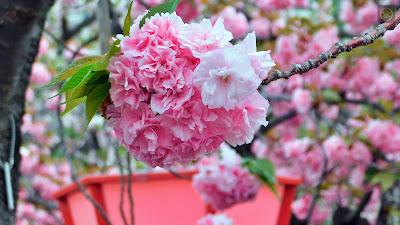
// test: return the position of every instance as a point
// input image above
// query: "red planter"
(164, 199)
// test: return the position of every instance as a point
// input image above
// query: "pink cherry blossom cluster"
(384, 135)
(301, 206)
(393, 37)
(188, 10)
(304, 159)
(40, 74)
(217, 219)
(359, 20)
(28, 214)
(223, 182)
(178, 90)
(234, 21)
(46, 179)
(273, 5)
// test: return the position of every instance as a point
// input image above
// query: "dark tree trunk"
(21, 24)
(390, 201)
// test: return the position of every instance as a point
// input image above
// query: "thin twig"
(324, 171)
(88, 41)
(121, 171)
(83, 189)
(366, 101)
(278, 121)
(59, 41)
(329, 122)
(315, 62)
(352, 217)
(147, 6)
(179, 175)
(70, 33)
(73, 171)
(277, 97)
(130, 189)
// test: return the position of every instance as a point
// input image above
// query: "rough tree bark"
(21, 24)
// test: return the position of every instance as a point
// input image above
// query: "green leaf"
(88, 85)
(165, 7)
(113, 49)
(384, 179)
(94, 100)
(330, 95)
(80, 77)
(72, 68)
(128, 20)
(264, 169)
(99, 80)
(72, 104)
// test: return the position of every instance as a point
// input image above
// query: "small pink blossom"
(246, 120)
(227, 183)
(29, 94)
(44, 46)
(225, 77)
(218, 219)
(40, 74)
(262, 27)
(235, 22)
(302, 100)
(393, 37)
(337, 150)
(203, 37)
(301, 206)
(296, 147)
(261, 61)
(384, 135)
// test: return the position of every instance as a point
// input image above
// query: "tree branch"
(73, 171)
(179, 175)
(121, 171)
(70, 33)
(278, 121)
(315, 62)
(128, 157)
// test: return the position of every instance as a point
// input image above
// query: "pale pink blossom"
(235, 22)
(217, 219)
(301, 206)
(203, 37)
(384, 135)
(262, 27)
(337, 151)
(385, 86)
(296, 147)
(286, 52)
(246, 120)
(272, 5)
(302, 100)
(29, 94)
(226, 183)
(225, 77)
(261, 61)
(40, 74)
(359, 21)
(363, 74)
(393, 37)
(44, 46)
